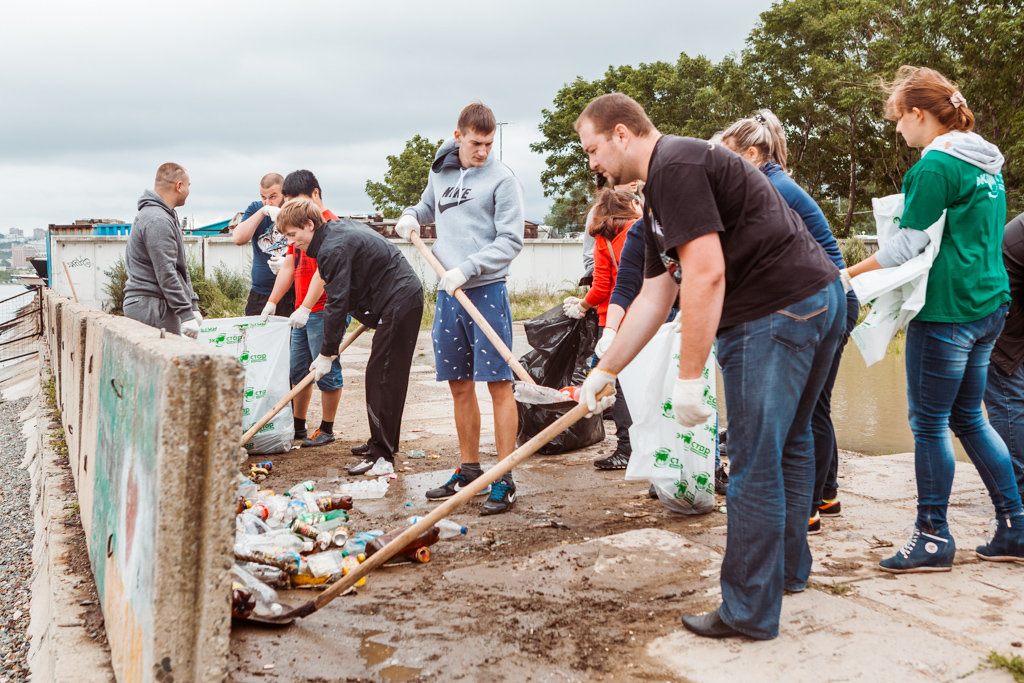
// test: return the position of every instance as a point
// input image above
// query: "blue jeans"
(1004, 400)
(305, 346)
(826, 450)
(947, 365)
(774, 368)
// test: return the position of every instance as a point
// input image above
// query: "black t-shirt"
(771, 260)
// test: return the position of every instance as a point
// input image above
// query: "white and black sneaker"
(503, 496)
(458, 481)
(364, 466)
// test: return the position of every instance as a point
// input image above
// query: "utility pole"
(501, 136)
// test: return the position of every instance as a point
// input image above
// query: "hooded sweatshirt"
(959, 173)
(478, 213)
(155, 257)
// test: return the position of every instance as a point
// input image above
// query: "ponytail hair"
(763, 131)
(613, 210)
(930, 91)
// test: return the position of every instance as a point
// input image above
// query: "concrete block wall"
(152, 427)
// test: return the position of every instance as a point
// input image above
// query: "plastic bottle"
(275, 543)
(327, 563)
(325, 521)
(327, 501)
(323, 540)
(267, 604)
(293, 510)
(427, 538)
(340, 536)
(250, 525)
(246, 488)
(357, 544)
(300, 488)
(449, 529)
(242, 601)
(304, 529)
(365, 489)
(272, 576)
(351, 562)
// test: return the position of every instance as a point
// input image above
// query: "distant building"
(39, 233)
(20, 255)
(16, 232)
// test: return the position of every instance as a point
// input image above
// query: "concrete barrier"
(152, 427)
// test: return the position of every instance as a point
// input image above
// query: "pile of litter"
(301, 538)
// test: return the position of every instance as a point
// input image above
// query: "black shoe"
(319, 438)
(709, 625)
(652, 492)
(503, 495)
(721, 480)
(616, 461)
(361, 449)
(457, 482)
(362, 467)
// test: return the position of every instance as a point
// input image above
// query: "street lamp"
(501, 136)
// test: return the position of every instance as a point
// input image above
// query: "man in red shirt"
(307, 321)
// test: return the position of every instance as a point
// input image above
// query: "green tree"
(569, 212)
(406, 177)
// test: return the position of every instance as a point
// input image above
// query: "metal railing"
(22, 324)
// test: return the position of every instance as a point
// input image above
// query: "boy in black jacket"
(365, 276)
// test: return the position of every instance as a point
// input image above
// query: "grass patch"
(57, 440)
(840, 588)
(526, 304)
(1014, 665)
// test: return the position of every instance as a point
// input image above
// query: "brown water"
(869, 406)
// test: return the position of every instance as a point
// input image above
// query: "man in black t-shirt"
(749, 274)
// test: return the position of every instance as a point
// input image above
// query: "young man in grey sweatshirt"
(477, 204)
(159, 290)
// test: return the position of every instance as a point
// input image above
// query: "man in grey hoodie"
(159, 290)
(478, 205)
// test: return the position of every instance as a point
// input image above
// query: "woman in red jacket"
(614, 213)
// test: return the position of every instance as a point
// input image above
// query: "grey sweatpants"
(152, 311)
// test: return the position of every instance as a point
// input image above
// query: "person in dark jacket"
(159, 290)
(364, 276)
(1004, 390)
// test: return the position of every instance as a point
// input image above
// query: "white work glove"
(271, 211)
(321, 365)
(844, 277)
(199, 317)
(576, 310)
(452, 280)
(570, 301)
(688, 402)
(190, 329)
(299, 318)
(605, 342)
(407, 225)
(275, 263)
(268, 310)
(596, 381)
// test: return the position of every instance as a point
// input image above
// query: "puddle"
(378, 653)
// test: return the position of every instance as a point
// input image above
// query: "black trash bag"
(562, 350)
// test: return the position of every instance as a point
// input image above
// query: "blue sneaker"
(503, 495)
(1008, 543)
(923, 553)
(454, 485)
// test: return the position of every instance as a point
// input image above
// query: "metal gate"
(22, 324)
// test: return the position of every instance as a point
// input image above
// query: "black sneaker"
(362, 467)
(457, 482)
(319, 438)
(830, 507)
(652, 492)
(814, 525)
(721, 480)
(616, 461)
(361, 449)
(503, 495)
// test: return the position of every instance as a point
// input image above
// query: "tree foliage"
(818, 64)
(406, 177)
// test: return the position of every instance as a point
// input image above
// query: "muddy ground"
(490, 605)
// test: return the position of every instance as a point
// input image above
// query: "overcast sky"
(96, 95)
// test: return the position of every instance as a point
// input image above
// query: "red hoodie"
(605, 270)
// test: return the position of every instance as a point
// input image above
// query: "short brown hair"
(297, 212)
(477, 117)
(928, 90)
(271, 179)
(613, 211)
(608, 111)
(170, 173)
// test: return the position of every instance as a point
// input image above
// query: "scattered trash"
(489, 538)
(416, 550)
(365, 489)
(357, 544)
(416, 453)
(548, 524)
(635, 515)
(380, 467)
(433, 457)
(449, 529)
(875, 543)
(722, 510)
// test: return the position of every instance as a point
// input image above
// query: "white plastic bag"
(897, 294)
(679, 462)
(264, 349)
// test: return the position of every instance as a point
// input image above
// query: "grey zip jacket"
(478, 213)
(155, 258)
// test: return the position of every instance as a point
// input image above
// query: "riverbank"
(586, 578)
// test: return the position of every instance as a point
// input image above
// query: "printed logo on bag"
(682, 491)
(711, 429)
(709, 399)
(253, 395)
(687, 437)
(704, 482)
(269, 427)
(666, 409)
(247, 358)
(207, 330)
(661, 457)
(245, 412)
(700, 449)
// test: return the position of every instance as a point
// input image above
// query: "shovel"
(534, 393)
(439, 513)
(279, 406)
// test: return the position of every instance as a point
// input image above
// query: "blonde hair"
(763, 130)
(169, 174)
(270, 180)
(928, 90)
(297, 212)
